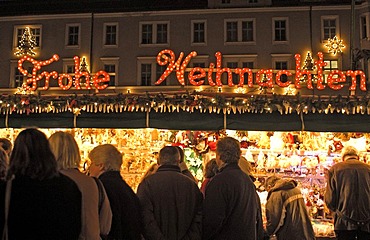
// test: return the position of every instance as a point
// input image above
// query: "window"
(330, 65)
(158, 73)
(154, 33)
(111, 70)
(111, 34)
(110, 65)
(146, 74)
(233, 65)
(17, 77)
(280, 30)
(329, 27)
(238, 61)
(149, 72)
(35, 31)
(283, 65)
(198, 32)
(282, 62)
(240, 31)
(72, 35)
(363, 25)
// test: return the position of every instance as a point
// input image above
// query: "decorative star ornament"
(335, 45)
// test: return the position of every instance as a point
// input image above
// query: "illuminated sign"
(198, 75)
(65, 81)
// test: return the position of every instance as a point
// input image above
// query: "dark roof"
(35, 7)
(38, 7)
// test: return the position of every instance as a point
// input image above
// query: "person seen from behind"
(7, 145)
(96, 220)
(348, 196)
(230, 204)
(106, 163)
(4, 160)
(44, 204)
(286, 212)
(210, 171)
(171, 202)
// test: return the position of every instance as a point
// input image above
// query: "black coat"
(171, 204)
(126, 221)
(47, 209)
(231, 207)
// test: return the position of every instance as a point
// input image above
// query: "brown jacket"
(348, 195)
(286, 212)
(92, 224)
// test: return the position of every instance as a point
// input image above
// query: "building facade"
(255, 34)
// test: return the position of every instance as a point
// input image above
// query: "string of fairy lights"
(186, 102)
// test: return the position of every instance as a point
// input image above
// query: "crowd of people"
(45, 196)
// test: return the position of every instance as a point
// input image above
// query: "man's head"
(104, 158)
(169, 155)
(349, 152)
(227, 151)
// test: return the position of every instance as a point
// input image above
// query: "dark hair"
(211, 168)
(32, 156)
(181, 151)
(169, 155)
(228, 149)
(3, 164)
(6, 144)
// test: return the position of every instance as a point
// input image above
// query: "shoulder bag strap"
(6, 209)
(289, 200)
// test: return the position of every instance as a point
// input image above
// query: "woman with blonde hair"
(96, 220)
(106, 163)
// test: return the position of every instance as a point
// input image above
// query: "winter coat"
(231, 207)
(348, 195)
(42, 209)
(171, 205)
(287, 213)
(92, 226)
(126, 221)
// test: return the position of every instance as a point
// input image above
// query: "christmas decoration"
(335, 45)
(212, 102)
(26, 44)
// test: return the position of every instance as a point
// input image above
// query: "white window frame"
(112, 61)
(13, 66)
(282, 58)
(154, 33)
(239, 31)
(337, 27)
(67, 35)
(15, 36)
(286, 19)
(192, 33)
(105, 32)
(153, 62)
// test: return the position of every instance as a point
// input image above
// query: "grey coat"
(171, 205)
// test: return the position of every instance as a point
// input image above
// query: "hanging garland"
(184, 101)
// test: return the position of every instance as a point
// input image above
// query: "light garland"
(189, 102)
